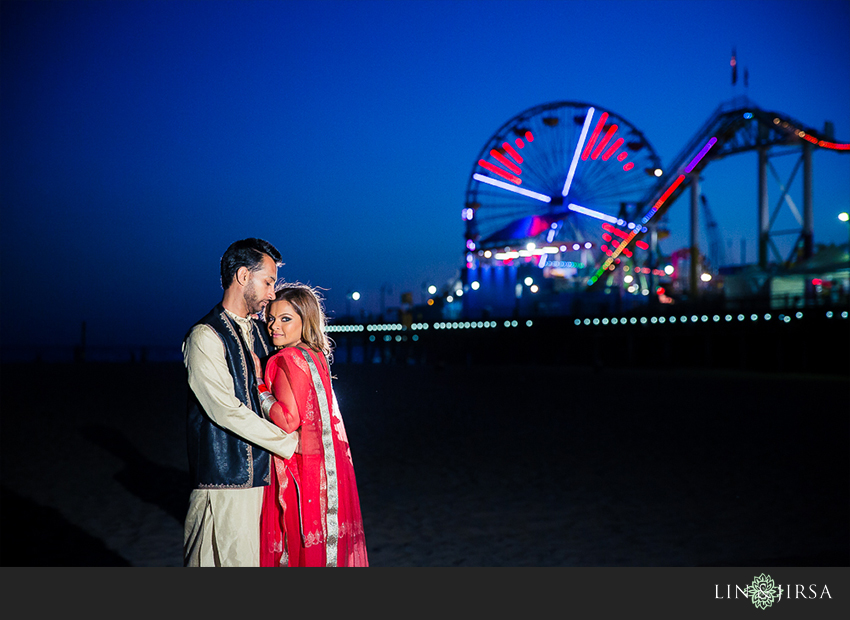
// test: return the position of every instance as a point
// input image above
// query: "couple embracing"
(271, 469)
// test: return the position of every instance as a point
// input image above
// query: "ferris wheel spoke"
(512, 188)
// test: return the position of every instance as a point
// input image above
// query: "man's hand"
(258, 367)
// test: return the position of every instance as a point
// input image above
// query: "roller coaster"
(564, 201)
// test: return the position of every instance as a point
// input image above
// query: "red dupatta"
(311, 512)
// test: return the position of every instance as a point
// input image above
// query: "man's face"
(259, 290)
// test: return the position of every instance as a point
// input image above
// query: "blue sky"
(140, 138)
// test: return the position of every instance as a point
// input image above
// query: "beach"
(461, 465)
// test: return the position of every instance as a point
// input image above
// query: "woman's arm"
(284, 412)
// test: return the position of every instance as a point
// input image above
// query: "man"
(229, 439)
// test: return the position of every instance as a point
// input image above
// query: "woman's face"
(284, 324)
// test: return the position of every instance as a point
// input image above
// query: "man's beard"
(252, 300)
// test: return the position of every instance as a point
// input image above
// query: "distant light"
(576, 246)
(658, 172)
(628, 279)
(595, 214)
(700, 155)
(748, 115)
(459, 292)
(534, 288)
(432, 289)
(529, 281)
(530, 246)
(488, 254)
(669, 270)
(450, 299)
(579, 146)
(475, 285)
(844, 217)
(705, 277)
(430, 302)
(588, 245)
(355, 296)
(511, 188)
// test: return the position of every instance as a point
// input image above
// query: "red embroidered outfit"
(311, 510)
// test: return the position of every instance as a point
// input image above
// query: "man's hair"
(245, 253)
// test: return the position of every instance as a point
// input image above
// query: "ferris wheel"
(560, 184)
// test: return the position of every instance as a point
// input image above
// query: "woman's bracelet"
(267, 399)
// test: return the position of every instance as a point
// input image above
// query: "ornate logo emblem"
(763, 591)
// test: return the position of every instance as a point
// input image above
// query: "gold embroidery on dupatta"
(330, 464)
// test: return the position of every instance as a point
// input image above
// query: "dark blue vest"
(219, 459)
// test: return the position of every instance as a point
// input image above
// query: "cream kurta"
(222, 526)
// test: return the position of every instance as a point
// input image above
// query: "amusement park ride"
(564, 202)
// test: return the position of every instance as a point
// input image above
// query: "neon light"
(613, 149)
(622, 156)
(616, 231)
(599, 125)
(661, 200)
(512, 152)
(581, 139)
(496, 170)
(629, 166)
(833, 145)
(700, 155)
(621, 248)
(592, 213)
(643, 245)
(511, 188)
(505, 162)
(602, 143)
(519, 143)
(529, 136)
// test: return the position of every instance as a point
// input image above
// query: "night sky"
(139, 139)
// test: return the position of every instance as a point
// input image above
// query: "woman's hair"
(307, 302)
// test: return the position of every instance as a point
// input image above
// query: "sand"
(459, 465)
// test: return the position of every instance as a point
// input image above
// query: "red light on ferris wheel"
(511, 169)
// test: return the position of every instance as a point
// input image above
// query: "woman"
(311, 510)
